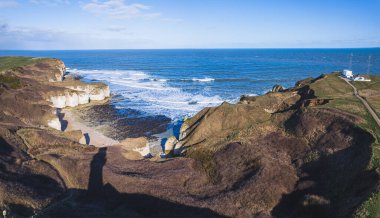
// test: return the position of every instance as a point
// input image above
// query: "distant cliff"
(41, 89)
(308, 151)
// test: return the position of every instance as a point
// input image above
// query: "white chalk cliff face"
(95, 91)
(55, 124)
(80, 95)
(74, 93)
(69, 100)
(58, 71)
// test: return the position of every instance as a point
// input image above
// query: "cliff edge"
(307, 151)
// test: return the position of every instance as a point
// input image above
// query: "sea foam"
(154, 96)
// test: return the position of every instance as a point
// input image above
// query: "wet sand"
(95, 137)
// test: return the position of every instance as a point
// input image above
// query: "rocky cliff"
(41, 89)
(307, 151)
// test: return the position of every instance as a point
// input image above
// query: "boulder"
(133, 147)
(178, 149)
(182, 130)
(314, 102)
(277, 88)
(170, 144)
(55, 123)
(247, 99)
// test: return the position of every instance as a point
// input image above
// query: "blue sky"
(125, 24)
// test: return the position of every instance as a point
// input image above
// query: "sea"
(180, 82)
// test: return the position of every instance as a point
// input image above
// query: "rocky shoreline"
(307, 151)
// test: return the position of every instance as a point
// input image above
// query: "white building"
(360, 78)
(348, 74)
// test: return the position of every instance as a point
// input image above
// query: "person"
(4, 213)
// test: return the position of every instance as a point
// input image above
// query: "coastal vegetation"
(307, 151)
(9, 81)
(13, 62)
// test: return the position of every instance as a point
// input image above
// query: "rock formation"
(277, 88)
(42, 81)
(307, 151)
(170, 144)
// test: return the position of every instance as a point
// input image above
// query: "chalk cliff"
(307, 151)
(43, 89)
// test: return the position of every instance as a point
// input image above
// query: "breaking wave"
(154, 96)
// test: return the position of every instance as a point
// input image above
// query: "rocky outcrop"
(55, 123)
(81, 93)
(39, 82)
(284, 154)
(315, 102)
(277, 88)
(245, 99)
(135, 148)
(170, 145)
(182, 131)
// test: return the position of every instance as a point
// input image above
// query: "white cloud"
(49, 2)
(118, 9)
(9, 4)
(28, 34)
(21, 37)
(117, 29)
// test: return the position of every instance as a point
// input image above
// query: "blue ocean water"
(179, 82)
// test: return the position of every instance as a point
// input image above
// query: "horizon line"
(248, 48)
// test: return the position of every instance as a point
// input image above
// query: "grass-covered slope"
(334, 87)
(370, 91)
(319, 129)
(9, 62)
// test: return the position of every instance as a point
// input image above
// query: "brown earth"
(284, 154)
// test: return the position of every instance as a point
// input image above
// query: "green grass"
(370, 208)
(374, 84)
(11, 62)
(343, 99)
(332, 87)
(370, 91)
(10, 81)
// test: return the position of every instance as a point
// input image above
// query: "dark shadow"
(176, 128)
(87, 138)
(64, 125)
(105, 201)
(162, 143)
(22, 210)
(333, 185)
(63, 122)
(95, 182)
(5, 148)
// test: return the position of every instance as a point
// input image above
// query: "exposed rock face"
(182, 131)
(285, 154)
(60, 70)
(315, 102)
(78, 95)
(44, 79)
(69, 99)
(135, 148)
(55, 123)
(170, 144)
(247, 99)
(277, 88)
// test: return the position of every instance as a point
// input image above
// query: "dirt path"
(356, 93)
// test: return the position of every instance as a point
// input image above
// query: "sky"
(147, 24)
